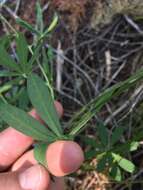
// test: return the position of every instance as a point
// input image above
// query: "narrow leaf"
(39, 19)
(27, 26)
(22, 50)
(125, 164)
(40, 153)
(8, 85)
(42, 100)
(6, 40)
(46, 65)
(51, 27)
(53, 23)
(8, 74)
(79, 120)
(24, 123)
(23, 99)
(35, 56)
(7, 61)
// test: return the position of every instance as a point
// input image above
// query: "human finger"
(35, 177)
(13, 143)
(63, 157)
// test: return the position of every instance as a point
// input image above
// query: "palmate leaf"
(42, 100)
(77, 123)
(24, 123)
(22, 50)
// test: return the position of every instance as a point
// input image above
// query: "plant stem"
(9, 25)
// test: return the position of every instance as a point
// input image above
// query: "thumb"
(35, 177)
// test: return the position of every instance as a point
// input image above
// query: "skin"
(19, 169)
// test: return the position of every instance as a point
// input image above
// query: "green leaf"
(43, 102)
(23, 99)
(8, 74)
(90, 141)
(102, 163)
(103, 133)
(7, 61)
(26, 25)
(125, 164)
(8, 85)
(6, 40)
(130, 145)
(117, 133)
(22, 50)
(53, 23)
(50, 54)
(39, 19)
(24, 123)
(40, 153)
(51, 27)
(115, 173)
(35, 55)
(92, 153)
(134, 146)
(80, 119)
(88, 111)
(46, 64)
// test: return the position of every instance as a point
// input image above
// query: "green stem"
(8, 24)
(3, 98)
(47, 80)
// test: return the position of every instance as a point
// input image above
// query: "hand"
(63, 157)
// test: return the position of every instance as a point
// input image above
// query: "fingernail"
(30, 178)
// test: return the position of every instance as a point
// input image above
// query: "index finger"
(13, 143)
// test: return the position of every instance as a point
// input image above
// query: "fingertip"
(59, 108)
(34, 114)
(25, 161)
(64, 157)
(35, 177)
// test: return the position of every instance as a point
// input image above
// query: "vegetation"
(27, 78)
